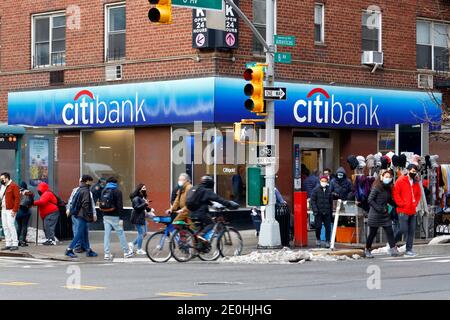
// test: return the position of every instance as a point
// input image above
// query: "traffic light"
(254, 89)
(162, 13)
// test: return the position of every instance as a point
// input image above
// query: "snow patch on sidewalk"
(284, 256)
(31, 236)
(385, 250)
(439, 240)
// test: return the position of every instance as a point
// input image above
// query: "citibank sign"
(323, 108)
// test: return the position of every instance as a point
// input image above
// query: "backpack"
(61, 204)
(193, 198)
(75, 205)
(107, 200)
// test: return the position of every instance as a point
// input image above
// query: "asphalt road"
(424, 277)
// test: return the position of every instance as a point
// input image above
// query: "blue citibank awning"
(220, 100)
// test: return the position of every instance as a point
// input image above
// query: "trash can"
(283, 216)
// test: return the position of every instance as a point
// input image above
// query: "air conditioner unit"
(425, 81)
(372, 58)
(113, 73)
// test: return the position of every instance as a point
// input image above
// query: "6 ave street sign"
(283, 57)
(274, 93)
(288, 41)
(199, 4)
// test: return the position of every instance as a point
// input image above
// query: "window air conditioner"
(425, 81)
(113, 73)
(372, 58)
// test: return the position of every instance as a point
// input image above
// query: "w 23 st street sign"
(200, 4)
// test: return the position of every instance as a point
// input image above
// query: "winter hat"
(384, 162)
(324, 177)
(415, 159)
(395, 160)
(352, 161)
(412, 166)
(427, 161)
(378, 159)
(361, 162)
(390, 154)
(433, 160)
(370, 161)
(402, 162)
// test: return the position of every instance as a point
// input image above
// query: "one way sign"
(274, 93)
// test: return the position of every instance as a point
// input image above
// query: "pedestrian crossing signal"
(162, 12)
(254, 89)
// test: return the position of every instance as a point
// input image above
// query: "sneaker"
(91, 254)
(394, 252)
(128, 254)
(368, 254)
(318, 243)
(6, 248)
(49, 243)
(410, 254)
(131, 246)
(108, 257)
(79, 250)
(23, 244)
(14, 248)
(327, 245)
(141, 252)
(71, 254)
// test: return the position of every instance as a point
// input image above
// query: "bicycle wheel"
(182, 245)
(158, 247)
(211, 251)
(230, 243)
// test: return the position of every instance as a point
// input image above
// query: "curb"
(16, 254)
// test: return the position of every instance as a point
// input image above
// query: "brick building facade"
(164, 53)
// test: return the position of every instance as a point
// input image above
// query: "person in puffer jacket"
(48, 211)
(341, 186)
(322, 206)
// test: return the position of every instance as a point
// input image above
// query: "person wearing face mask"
(380, 198)
(141, 210)
(341, 186)
(179, 209)
(407, 196)
(10, 202)
(322, 206)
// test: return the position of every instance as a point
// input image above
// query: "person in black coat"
(381, 203)
(141, 210)
(322, 206)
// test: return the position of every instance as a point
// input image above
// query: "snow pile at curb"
(31, 235)
(439, 240)
(385, 250)
(284, 256)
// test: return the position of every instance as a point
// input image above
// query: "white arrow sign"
(275, 93)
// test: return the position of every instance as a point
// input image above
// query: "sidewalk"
(249, 237)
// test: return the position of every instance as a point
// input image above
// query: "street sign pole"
(269, 236)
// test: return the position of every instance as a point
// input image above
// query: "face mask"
(324, 184)
(412, 175)
(180, 183)
(144, 193)
(340, 175)
(387, 180)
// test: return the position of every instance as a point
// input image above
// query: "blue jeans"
(75, 229)
(142, 230)
(408, 228)
(110, 223)
(81, 236)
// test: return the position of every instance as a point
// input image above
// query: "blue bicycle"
(158, 245)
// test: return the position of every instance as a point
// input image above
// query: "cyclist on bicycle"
(199, 199)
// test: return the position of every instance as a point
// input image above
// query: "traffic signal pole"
(269, 236)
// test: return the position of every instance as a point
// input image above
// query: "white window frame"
(432, 23)
(258, 25)
(51, 15)
(380, 35)
(106, 40)
(322, 30)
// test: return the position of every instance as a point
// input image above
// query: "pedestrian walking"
(322, 206)
(179, 208)
(141, 210)
(48, 211)
(407, 195)
(10, 198)
(111, 205)
(24, 213)
(381, 202)
(83, 208)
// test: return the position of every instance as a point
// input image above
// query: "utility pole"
(269, 236)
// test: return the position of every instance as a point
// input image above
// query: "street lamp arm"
(249, 24)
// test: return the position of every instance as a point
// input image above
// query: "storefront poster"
(38, 161)
(297, 173)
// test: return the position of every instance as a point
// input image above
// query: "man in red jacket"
(407, 195)
(48, 211)
(10, 201)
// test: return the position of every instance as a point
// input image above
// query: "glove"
(233, 205)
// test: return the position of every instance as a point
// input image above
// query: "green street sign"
(283, 57)
(250, 65)
(288, 41)
(199, 4)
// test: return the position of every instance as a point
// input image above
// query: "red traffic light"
(248, 74)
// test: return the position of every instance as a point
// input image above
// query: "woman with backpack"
(381, 203)
(48, 211)
(141, 210)
(24, 213)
